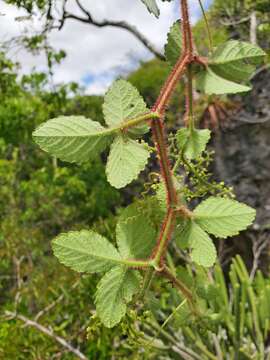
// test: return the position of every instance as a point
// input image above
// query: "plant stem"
(179, 285)
(200, 344)
(207, 27)
(189, 98)
(170, 84)
(129, 123)
(184, 62)
(186, 29)
(164, 238)
(138, 120)
(158, 134)
(135, 263)
(149, 275)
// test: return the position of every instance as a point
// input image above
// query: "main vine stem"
(158, 130)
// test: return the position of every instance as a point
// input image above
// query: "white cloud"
(96, 55)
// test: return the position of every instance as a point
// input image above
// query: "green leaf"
(173, 48)
(232, 62)
(181, 235)
(85, 251)
(135, 236)
(72, 138)
(234, 71)
(114, 291)
(152, 7)
(210, 83)
(236, 60)
(123, 102)
(223, 217)
(126, 160)
(203, 251)
(192, 141)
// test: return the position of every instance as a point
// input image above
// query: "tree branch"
(48, 332)
(89, 19)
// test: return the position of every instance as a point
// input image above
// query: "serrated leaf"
(203, 251)
(72, 138)
(234, 71)
(236, 60)
(181, 234)
(192, 141)
(173, 48)
(85, 251)
(114, 291)
(135, 236)
(210, 83)
(223, 217)
(123, 102)
(152, 7)
(161, 195)
(126, 160)
(234, 50)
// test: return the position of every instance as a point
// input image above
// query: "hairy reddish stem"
(170, 84)
(164, 238)
(161, 146)
(178, 284)
(158, 131)
(186, 29)
(158, 128)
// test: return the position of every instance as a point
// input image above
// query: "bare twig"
(217, 346)
(253, 28)
(90, 20)
(17, 263)
(259, 244)
(48, 332)
(235, 22)
(54, 303)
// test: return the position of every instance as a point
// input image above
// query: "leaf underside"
(203, 251)
(114, 291)
(210, 83)
(126, 160)
(232, 62)
(223, 217)
(152, 7)
(122, 102)
(72, 138)
(85, 251)
(173, 47)
(135, 236)
(193, 142)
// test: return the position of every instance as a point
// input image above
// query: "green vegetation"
(41, 197)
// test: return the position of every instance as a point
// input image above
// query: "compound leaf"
(203, 251)
(210, 83)
(152, 7)
(72, 138)
(173, 48)
(85, 251)
(114, 291)
(123, 102)
(192, 141)
(126, 160)
(223, 217)
(135, 236)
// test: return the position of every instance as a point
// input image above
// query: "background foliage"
(41, 197)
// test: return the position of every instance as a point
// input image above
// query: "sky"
(96, 56)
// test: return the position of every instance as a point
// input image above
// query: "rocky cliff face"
(243, 161)
(243, 149)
